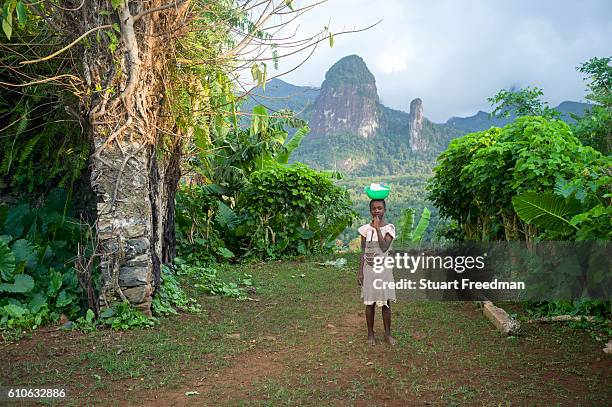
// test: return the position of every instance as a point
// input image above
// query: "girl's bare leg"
(386, 313)
(369, 311)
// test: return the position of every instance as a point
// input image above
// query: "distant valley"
(352, 132)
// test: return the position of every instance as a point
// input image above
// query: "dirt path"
(271, 359)
(303, 343)
(333, 365)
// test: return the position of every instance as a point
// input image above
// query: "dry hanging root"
(117, 263)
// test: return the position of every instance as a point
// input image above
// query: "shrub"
(292, 210)
(38, 247)
(480, 173)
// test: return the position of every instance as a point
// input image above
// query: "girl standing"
(376, 238)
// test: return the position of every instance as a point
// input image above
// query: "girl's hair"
(378, 200)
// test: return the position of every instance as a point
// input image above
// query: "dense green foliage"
(238, 152)
(200, 224)
(282, 210)
(38, 248)
(479, 174)
(532, 179)
(577, 210)
(293, 210)
(595, 129)
(521, 102)
(41, 146)
(216, 218)
(41, 141)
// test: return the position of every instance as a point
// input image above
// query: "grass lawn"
(300, 340)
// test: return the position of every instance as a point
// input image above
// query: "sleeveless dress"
(373, 291)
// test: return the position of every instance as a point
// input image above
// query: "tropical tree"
(410, 233)
(521, 102)
(595, 128)
(149, 79)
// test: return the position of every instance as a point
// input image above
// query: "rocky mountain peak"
(348, 101)
(352, 70)
(416, 141)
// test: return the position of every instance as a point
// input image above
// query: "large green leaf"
(7, 20)
(24, 252)
(260, 120)
(215, 189)
(225, 252)
(55, 282)
(419, 231)
(296, 140)
(305, 233)
(37, 301)
(21, 13)
(13, 225)
(63, 299)
(546, 210)
(7, 262)
(226, 216)
(15, 311)
(57, 201)
(406, 223)
(23, 283)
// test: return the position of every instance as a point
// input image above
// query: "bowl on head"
(378, 193)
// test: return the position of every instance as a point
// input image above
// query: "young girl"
(376, 238)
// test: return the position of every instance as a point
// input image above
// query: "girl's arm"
(361, 261)
(385, 242)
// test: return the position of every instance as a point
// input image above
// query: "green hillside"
(279, 95)
(483, 121)
(387, 153)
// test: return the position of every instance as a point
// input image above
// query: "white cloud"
(395, 57)
(455, 54)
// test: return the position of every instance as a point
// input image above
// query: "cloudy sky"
(454, 54)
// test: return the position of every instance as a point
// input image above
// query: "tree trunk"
(172, 176)
(124, 224)
(126, 87)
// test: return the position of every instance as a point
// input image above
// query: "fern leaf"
(27, 150)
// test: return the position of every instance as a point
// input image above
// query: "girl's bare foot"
(390, 340)
(371, 340)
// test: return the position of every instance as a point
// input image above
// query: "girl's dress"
(380, 294)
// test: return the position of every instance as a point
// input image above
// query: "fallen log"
(500, 318)
(561, 318)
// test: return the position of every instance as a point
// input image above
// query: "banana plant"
(409, 233)
(282, 157)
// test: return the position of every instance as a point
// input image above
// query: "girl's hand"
(375, 222)
(360, 278)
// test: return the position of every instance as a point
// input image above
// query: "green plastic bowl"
(377, 194)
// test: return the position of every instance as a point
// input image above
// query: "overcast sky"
(454, 54)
